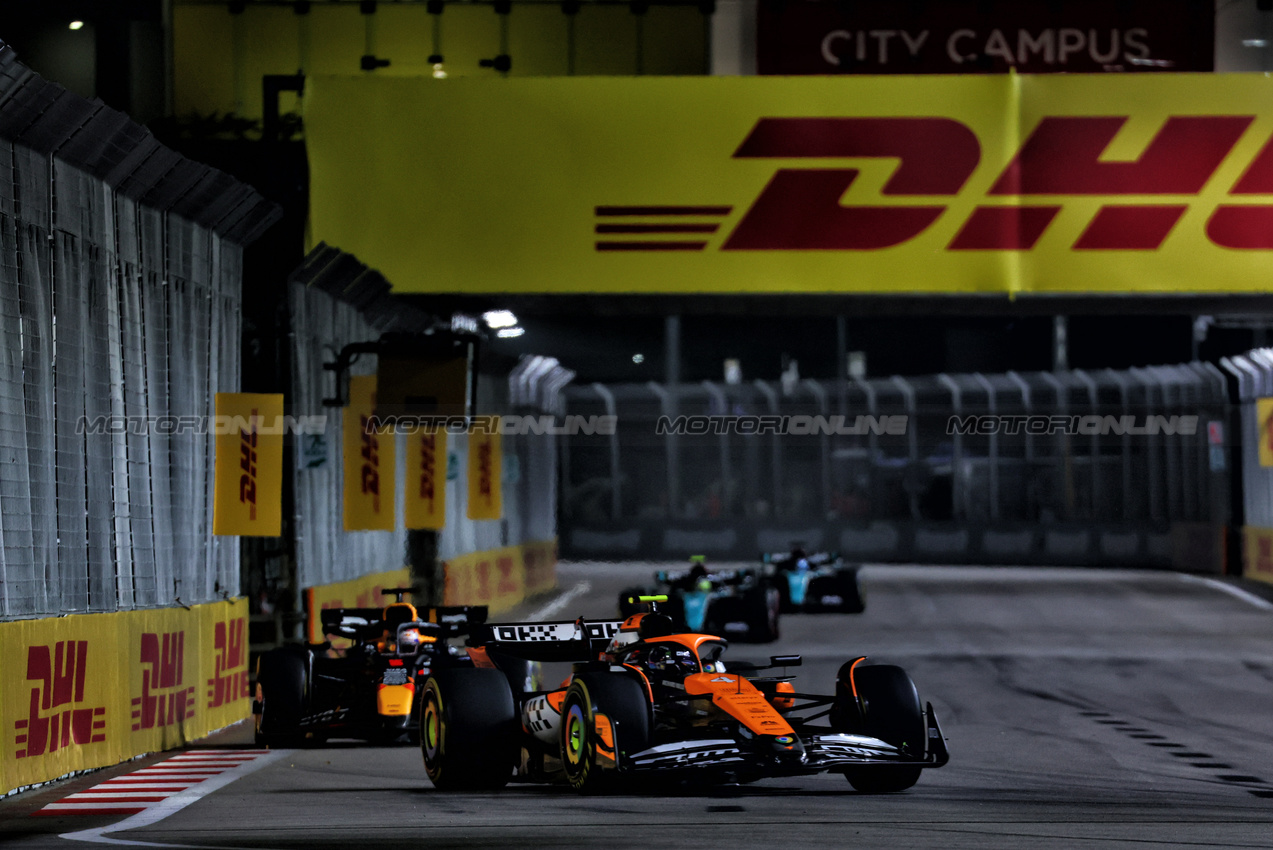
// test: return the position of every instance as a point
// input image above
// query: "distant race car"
(646, 701)
(815, 582)
(738, 604)
(367, 690)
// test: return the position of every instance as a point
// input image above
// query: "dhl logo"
(247, 463)
(57, 717)
(370, 470)
(428, 467)
(163, 701)
(801, 209)
(229, 680)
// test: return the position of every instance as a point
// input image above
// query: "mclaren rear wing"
(566, 640)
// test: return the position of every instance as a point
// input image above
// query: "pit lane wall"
(93, 690)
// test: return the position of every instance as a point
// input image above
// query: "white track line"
(561, 601)
(156, 812)
(1233, 590)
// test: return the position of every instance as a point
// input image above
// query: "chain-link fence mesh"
(120, 270)
(885, 464)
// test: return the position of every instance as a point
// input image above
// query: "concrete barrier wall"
(1192, 547)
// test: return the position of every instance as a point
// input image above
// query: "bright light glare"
(1254, 42)
(638, 358)
(75, 25)
(508, 333)
(438, 72)
(499, 319)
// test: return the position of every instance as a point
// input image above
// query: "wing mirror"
(785, 660)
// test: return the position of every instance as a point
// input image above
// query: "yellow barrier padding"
(979, 183)
(356, 593)
(501, 578)
(249, 465)
(485, 474)
(93, 690)
(1257, 553)
(369, 462)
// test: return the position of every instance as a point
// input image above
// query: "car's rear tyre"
(618, 697)
(281, 686)
(468, 729)
(850, 590)
(891, 712)
(762, 605)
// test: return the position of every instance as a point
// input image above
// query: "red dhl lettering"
(505, 583)
(247, 463)
(428, 466)
(163, 700)
(370, 471)
(800, 209)
(52, 721)
(230, 674)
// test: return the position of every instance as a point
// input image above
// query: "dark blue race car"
(815, 582)
(741, 605)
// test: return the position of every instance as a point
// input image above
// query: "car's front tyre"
(468, 729)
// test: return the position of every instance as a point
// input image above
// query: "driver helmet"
(409, 640)
(673, 661)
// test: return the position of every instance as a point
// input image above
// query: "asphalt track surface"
(1083, 709)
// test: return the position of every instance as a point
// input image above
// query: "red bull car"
(368, 688)
(645, 700)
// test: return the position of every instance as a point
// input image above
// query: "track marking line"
(561, 601)
(172, 804)
(1236, 592)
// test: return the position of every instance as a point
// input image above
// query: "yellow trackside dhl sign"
(249, 465)
(368, 456)
(1011, 184)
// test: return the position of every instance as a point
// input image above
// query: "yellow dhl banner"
(1264, 428)
(485, 471)
(1071, 183)
(249, 465)
(369, 462)
(426, 479)
(93, 690)
(1257, 555)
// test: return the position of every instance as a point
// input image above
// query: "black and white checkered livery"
(554, 632)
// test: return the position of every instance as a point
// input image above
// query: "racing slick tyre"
(617, 697)
(891, 711)
(281, 678)
(850, 590)
(762, 605)
(468, 729)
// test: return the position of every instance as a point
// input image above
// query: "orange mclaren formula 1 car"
(644, 700)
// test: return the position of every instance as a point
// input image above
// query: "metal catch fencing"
(1253, 374)
(746, 467)
(120, 268)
